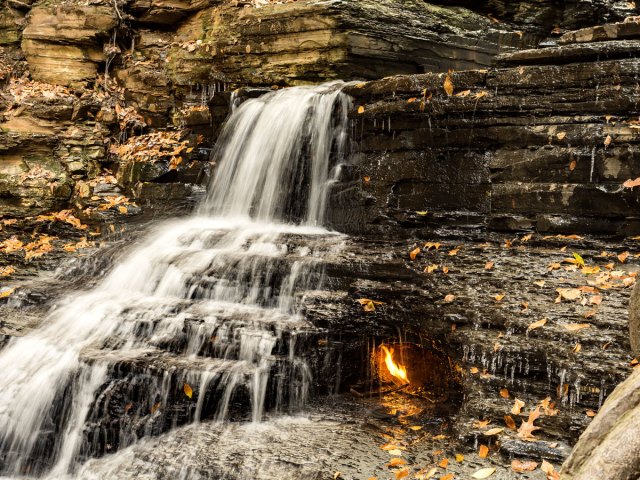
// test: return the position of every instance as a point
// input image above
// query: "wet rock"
(610, 446)
(528, 146)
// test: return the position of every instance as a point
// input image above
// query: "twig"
(355, 393)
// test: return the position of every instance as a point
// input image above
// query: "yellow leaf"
(474, 370)
(6, 271)
(577, 348)
(361, 109)
(414, 253)
(481, 94)
(499, 297)
(448, 85)
(416, 428)
(579, 259)
(590, 270)
(422, 213)
(623, 257)
(7, 292)
(122, 209)
(459, 458)
(454, 252)
(484, 473)
(538, 324)
(395, 453)
(493, 431)
(430, 268)
(188, 391)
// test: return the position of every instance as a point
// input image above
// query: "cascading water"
(207, 303)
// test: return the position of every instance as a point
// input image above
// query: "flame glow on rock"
(396, 369)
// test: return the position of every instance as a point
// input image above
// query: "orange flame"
(396, 369)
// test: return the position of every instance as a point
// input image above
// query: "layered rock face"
(545, 143)
(102, 72)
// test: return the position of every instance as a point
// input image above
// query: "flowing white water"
(203, 301)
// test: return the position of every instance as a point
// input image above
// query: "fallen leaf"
(454, 252)
(510, 422)
(402, 473)
(590, 413)
(464, 93)
(484, 473)
(444, 463)
(459, 458)
(481, 423)
(5, 293)
(538, 324)
(448, 85)
(396, 462)
(426, 475)
(631, 183)
(607, 141)
(448, 476)
(188, 391)
(579, 259)
(499, 297)
(430, 268)
(527, 428)
(488, 266)
(422, 213)
(539, 283)
(474, 370)
(569, 293)
(573, 165)
(483, 452)
(561, 135)
(577, 348)
(414, 253)
(623, 257)
(517, 407)
(574, 327)
(449, 298)
(504, 393)
(493, 431)
(360, 109)
(519, 466)
(549, 469)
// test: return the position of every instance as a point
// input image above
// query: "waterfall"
(207, 303)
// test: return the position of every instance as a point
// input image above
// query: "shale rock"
(545, 144)
(63, 45)
(634, 320)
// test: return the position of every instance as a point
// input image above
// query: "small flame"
(395, 369)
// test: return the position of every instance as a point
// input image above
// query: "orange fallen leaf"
(483, 452)
(360, 109)
(519, 466)
(402, 473)
(449, 298)
(489, 266)
(527, 428)
(414, 253)
(504, 393)
(623, 257)
(444, 463)
(396, 462)
(188, 391)
(590, 413)
(510, 422)
(538, 324)
(499, 297)
(448, 85)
